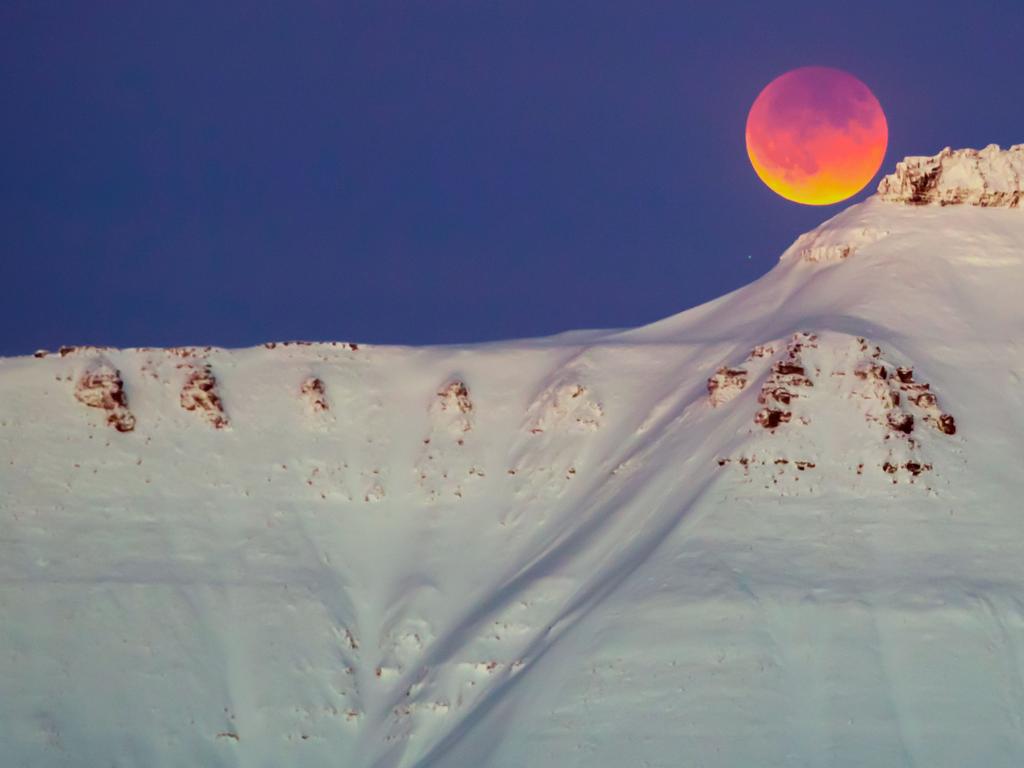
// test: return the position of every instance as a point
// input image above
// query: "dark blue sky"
(233, 172)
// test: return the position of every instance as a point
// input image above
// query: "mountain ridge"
(775, 529)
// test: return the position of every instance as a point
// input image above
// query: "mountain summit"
(782, 528)
(990, 177)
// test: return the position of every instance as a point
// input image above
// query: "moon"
(816, 135)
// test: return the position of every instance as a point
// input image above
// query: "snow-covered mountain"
(781, 529)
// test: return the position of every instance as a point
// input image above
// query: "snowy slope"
(780, 529)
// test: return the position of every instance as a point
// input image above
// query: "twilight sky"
(430, 172)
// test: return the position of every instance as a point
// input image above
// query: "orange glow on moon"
(816, 135)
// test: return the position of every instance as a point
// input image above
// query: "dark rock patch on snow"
(726, 384)
(199, 393)
(315, 392)
(102, 387)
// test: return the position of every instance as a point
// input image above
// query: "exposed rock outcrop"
(199, 393)
(810, 381)
(445, 469)
(102, 387)
(726, 384)
(315, 393)
(454, 402)
(919, 395)
(780, 388)
(991, 177)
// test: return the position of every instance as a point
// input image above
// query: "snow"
(583, 550)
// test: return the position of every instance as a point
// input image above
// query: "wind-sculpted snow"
(831, 243)
(778, 529)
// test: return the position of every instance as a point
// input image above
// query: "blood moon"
(816, 135)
